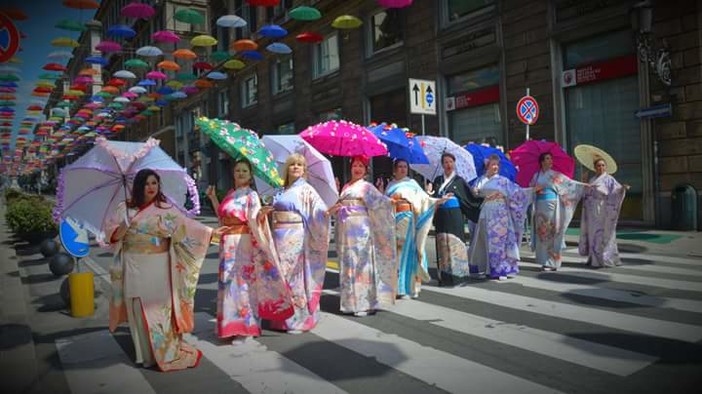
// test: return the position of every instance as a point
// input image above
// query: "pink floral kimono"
(250, 284)
(601, 205)
(154, 276)
(365, 242)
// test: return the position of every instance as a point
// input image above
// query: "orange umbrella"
(244, 45)
(14, 13)
(202, 84)
(184, 54)
(168, 65)
(110, 89)
(89, 72)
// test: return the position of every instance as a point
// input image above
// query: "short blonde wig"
(294, 158)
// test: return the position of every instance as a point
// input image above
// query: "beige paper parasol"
(587, 154)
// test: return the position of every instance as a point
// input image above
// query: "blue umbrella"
(481, 153)
(121, 31)
(96, 60)
(165, 90)
(399, 145)
(273, 31)
(146, 82)
(253, 55)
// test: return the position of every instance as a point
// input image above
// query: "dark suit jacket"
(469, 203)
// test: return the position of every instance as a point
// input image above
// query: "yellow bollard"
(81, 288)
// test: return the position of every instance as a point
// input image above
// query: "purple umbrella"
(108, 46)
(138, 10)
(165, 36)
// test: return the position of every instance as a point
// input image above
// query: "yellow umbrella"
(346, 22)
(587, 154)
(75, 92)
(15, 60)
(174, 84)
(154, 108)
(64, 42)
(203, 40)
(234, 64)
(45, 84)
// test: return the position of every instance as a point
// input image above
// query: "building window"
(454, 10)
(223, 103)
(279, 11)
(334, 114)
(286, 128)
(386, 29)
(473, 106)
(282, 74)
(249, 91)
(326, 56)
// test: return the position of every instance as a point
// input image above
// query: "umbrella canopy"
(70, 25)
(234, 64)
(137, 89)
(273, 31)
(216, 75)
(346, 22)
(231, 21)
(278, 47)
(96, 60)
(136, 63)
(82, 4)
(185, 54)
(587, 154)
(168, 65)
(138, 10)
(305, 13)
(400, 145)
(526, 158)
(343, 138)
(108, 46)
(189, 15)
(165, 36)
(121, 31)
(220, 56)
(320, 174)
(481, 152)
(156, 75)
(244, 45)
(124, 74)
(434, 147)
(242, 143)
(149, 51)
(395, 3)
(93, 186)
(203, 40)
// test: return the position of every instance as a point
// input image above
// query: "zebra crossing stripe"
(611, 294)
(444, 370)
(95, 363)
(256, 368)
(619, 321)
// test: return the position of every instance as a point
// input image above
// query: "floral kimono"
(601, 205)
(301, 240)
(154, 276)
(495, 248)
(365, 242)
(553, 210)
(413, 219)
(250, 284)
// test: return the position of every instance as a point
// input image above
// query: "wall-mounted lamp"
(658, 59)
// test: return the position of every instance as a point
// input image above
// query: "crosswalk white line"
(692, 260)
(620, 321)
(95, 363)
(444, 370)
(613, 275)
(610, 294)
(256, 368)
(661, 269)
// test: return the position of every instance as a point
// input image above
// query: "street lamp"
(658, 60)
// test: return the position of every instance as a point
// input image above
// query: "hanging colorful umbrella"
(82, 4)
(343, 138)
(60, 55)
(165, 36)
(346, 22)
(434, 148)
(165, 90)
(137, 89)
(185, 54)
(9, 77)
(202, 66)
(108, 46)
(174, 84)
(136, 63)
(149, 51)
(121, 31)
(400, 145)
(220, 56)
(263, 3)
(96, 60)
(203, 84)
(242, 143)
(273, 31)
(394, 3)
(14, 13)
(231, 21)
(189, 15)
(252, 55)
(138, 10)
(216, 75)
(53, 67)
(234, 64)
(203, 40)
(146, 82)
(279, 48)
(157, 75)
(89, 72)
(168, 65)
(310, 37)
(526, 158)
(244, 45)
(70, 25)
(116, 82)
(481, 153)
(64, 42)
(187, 77)
(124, 74)
(305, 13)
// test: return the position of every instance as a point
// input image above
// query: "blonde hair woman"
(300, 237)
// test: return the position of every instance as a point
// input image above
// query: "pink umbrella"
(190, 90)
(83, 79)
(395, 3)
(156, 75)
(526, 158)
(342, 138)
(165, 36)
(108, 46)
(138, 10)
(130, 95)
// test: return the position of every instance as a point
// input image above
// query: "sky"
(39, 28)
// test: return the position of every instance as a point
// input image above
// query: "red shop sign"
(610, 69)
(484, 96)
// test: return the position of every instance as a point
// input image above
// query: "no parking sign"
(9, 38)
(528, 110)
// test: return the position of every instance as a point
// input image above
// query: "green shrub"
(12, 194)
(30, 217)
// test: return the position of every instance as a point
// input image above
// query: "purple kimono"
(601, 205)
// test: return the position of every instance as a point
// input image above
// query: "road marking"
(444, 370)
(95, 363)
(256, 368)
(660, 269)
(619, 321)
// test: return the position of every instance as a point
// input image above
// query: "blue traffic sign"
(74, 238)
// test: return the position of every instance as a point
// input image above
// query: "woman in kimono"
(414, 212)
(498, 233)
(245, 290)
(449, 222)
(301, 240)
(556, 199)
(365, 242)
(601, 205)
(158, 254)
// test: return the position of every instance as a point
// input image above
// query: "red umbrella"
(310, 37)
(14, 13)
(263, 3)
(202, 66)
(35, 108)
(116, 82)
(54, 67)
(526, 158)
(82, 4)
(342, 138)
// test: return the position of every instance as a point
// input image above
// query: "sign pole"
(422, 124)
(527, 125)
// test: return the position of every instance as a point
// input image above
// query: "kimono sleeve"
(113, 221)
(470, 204)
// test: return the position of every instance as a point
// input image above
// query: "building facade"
(623, 75)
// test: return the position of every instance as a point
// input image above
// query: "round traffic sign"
(74, 238)
(9, 38)
(528, 110)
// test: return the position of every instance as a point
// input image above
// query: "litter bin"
(684, 210)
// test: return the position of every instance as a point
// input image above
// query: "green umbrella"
(242, 144)
(116, 105)
(50, 76)
(186, 77)
(70, 25)
(147, 112)
(188, 15)
(136, 63)
(220, 56)
(103, 94)
(11, 77)
(304, 13)
(6, 103)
